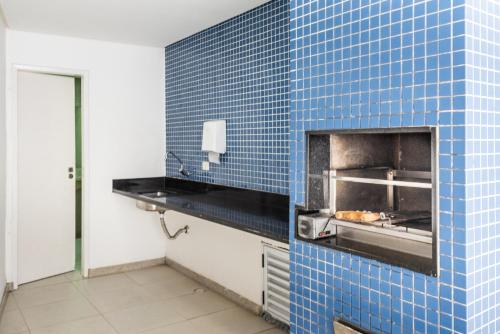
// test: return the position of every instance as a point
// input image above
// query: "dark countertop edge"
(402, 264)
(199, 186)
(196, 214)
(424, 265)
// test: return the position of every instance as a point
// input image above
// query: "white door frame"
(12, 172)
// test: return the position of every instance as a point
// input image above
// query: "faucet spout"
(182, 170)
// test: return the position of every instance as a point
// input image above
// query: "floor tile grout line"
(163, 326)
(24, 291)
(109, 323)
(76, 284)
(87, 296)
(10, 296)
(138, 285)
(25, 288)
(190, 320)
(160, 300)
(93, 304)
(52, 302)
(212, 313)
(101, 314)
(186, 319)
(80, 293)
(62, 323)
(23, 317)
(238, 308)
(20, 312)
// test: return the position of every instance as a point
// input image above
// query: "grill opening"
(376, 187)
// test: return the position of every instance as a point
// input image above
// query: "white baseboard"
(121, 268)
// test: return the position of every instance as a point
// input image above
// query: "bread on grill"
(358, 216)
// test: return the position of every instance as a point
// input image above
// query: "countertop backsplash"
(237, 71)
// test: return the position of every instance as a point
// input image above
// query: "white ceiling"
(143, 22)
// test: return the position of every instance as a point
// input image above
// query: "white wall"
(225, 255)
(126, 135)
(2, 153)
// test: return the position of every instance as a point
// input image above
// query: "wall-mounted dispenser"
(214, 139)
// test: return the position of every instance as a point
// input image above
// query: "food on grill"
(358, 216)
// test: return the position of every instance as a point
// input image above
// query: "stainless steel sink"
(147, 206)
(157, 194)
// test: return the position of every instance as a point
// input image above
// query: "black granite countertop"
(261, 213)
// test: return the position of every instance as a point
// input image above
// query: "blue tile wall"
(401, 63)
(482, 166)
(237, 71)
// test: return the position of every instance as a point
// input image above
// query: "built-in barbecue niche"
(373, 192)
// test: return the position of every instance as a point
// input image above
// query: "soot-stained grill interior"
(389, 172)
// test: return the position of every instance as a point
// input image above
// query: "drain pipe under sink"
(185, 229)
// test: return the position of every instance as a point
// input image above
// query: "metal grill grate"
(277, 283)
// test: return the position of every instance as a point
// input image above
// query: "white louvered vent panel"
(277, 283)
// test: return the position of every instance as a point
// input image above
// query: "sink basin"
(146, 206)
(158, 194)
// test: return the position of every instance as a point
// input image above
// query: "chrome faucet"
(182, 170)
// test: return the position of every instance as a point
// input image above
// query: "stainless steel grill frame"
(330, 187)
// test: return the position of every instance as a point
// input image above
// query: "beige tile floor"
(156, 300)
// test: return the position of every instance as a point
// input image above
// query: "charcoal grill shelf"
(416, 226)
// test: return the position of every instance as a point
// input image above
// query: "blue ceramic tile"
(443, 58)
(237, 71)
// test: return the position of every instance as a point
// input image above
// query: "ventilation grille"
(277, 283)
